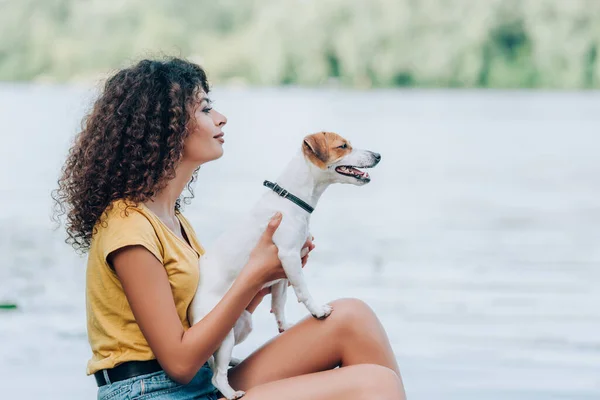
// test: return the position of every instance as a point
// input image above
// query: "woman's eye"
(208, 107)
(344, 146)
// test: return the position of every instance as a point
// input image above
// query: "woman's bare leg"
(350, 336)
(355, 382)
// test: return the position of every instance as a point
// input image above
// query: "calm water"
(476, 242)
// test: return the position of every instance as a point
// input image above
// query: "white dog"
(325, 158)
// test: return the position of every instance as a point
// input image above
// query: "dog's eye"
(344, 146)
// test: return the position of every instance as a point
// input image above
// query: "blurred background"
(475, 242)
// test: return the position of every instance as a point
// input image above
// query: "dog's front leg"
(242, 327)
(278, 298)
(292, 265)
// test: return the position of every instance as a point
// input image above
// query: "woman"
(140, 147)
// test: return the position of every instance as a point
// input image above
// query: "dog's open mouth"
(353, 172)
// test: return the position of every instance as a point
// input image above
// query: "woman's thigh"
(355, 382)
(314, 345)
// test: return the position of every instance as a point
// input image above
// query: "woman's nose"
(221, 119)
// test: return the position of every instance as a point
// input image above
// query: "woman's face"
(205, 140)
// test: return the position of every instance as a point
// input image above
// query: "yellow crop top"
(113, 333)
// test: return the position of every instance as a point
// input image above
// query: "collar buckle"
(280, 191)
(287, 195)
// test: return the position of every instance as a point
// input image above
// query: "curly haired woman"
(121, 190)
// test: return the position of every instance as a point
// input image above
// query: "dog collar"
(287, 195)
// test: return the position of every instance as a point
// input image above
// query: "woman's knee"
(380, 382)
(352, 313)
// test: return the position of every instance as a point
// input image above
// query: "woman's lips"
(219, 137)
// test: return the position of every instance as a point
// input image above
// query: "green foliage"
(358, 43)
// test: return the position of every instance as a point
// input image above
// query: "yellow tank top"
(113, 333)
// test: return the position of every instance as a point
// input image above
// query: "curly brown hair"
(130, 143)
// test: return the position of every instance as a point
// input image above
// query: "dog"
(325, 158)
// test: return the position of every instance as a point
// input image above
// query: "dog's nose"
(377, 156)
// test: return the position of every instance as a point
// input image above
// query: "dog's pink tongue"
(358, 172)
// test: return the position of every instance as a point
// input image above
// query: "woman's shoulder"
(126, 223)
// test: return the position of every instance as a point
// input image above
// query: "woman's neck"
(163, 203)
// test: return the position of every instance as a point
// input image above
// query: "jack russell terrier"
(325, 158)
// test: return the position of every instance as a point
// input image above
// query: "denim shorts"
(158, 385)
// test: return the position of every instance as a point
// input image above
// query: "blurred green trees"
(359, 43)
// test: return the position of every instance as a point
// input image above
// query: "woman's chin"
(218, 154)
(208, 157)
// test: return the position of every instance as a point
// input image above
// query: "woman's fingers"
(304, 260)
(307, 242)
(272, 227)
(307, 245)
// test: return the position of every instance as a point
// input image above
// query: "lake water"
(476, 241)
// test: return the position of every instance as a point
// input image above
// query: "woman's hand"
(310, 246)
(263, 292)
(264, 264)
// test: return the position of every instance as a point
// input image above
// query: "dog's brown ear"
(316, 150)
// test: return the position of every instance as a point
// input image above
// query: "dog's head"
(335, 159)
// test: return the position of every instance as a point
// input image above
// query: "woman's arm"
(181, 353)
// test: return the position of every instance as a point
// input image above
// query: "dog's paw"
(219, 380)
(284, 326)
(238, 394)
(231, 394)
(323, 312)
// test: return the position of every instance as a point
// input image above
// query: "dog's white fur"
(307, 176)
